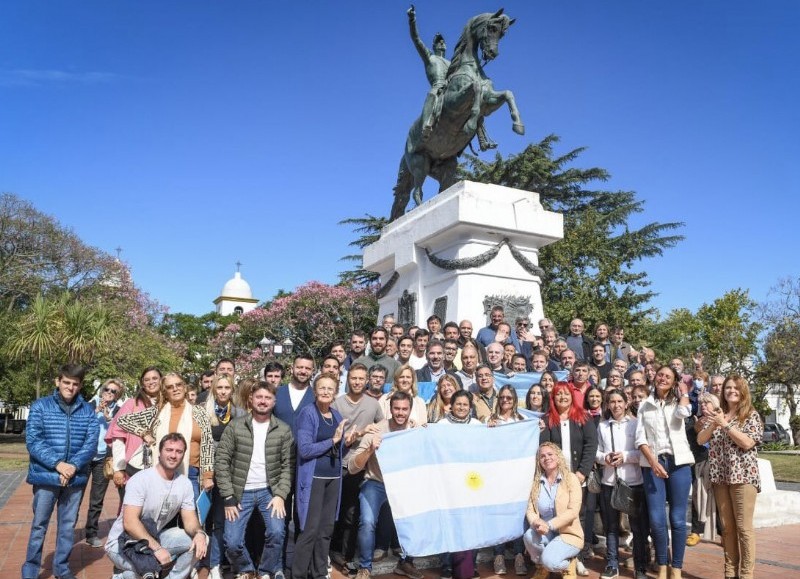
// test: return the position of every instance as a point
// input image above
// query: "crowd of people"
(620, 435)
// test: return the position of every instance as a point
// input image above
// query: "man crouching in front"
(152, 499)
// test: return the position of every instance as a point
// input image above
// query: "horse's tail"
(402, 191)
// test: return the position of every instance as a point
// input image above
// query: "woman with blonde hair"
(405, 380)
(733, 432)
(175, 414)
(505, 407)
(555, 536)
(220, 409)
(440, 404)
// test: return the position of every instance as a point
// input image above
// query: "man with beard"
(452, 355)
(372, 495)
(153, 497)
(377, 354)
(291, 398)
(362, 414)
(358, 345)
(434, 369)
(255, 467)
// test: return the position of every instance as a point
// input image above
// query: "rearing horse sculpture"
(468, 97)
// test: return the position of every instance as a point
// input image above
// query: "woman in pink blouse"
(734, 430)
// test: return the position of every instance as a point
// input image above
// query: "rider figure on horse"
(436, 67)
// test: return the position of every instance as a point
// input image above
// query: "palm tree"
(87, 329)
(38, 335)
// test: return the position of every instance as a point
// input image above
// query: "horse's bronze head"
(493, 28)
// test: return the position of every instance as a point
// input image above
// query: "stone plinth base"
(464, 250)
(773, 507)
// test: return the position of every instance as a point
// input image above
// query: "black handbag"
(621, 494)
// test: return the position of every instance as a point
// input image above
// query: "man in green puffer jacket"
(254, 470)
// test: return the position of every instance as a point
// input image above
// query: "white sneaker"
(215, 573)
(581, 569)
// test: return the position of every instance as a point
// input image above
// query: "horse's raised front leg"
(493, 100)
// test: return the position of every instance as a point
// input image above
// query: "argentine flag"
(522, 381)
(454, 487)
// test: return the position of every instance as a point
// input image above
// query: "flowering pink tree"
(312, 317)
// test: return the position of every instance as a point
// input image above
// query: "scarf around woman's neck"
(185, 425)
(453, 420)
(223, 412)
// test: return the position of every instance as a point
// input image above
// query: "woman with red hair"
(567, 425)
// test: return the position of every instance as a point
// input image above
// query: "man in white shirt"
(254, 469)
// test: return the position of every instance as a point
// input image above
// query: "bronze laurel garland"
(484, 258)
(466, 262)
(526, 263)
(387, 287)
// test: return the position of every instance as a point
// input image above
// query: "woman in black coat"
(571, 428)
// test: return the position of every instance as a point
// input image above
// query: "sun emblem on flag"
(474, 480)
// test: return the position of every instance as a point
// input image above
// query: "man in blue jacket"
(61, 437)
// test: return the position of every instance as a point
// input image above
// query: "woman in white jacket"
(617, 452)
(666, 465)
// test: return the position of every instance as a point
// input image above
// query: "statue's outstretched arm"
(423, 51)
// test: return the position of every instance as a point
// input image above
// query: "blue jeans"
(371, 498)
(236, 550)
(194, 478)
(675, 491)
(45, 499)
(549, 550)
(174, 540)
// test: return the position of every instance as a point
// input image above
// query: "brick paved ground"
(778, 549)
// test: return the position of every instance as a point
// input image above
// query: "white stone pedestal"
(774, 507)
(465, 221)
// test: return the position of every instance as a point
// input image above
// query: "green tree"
(37, 335)
(678, 335)
(725, 332)
(195, 333)
(63, 300)
(779, 373)
(594, 272)
(368, 229)
(38, 255)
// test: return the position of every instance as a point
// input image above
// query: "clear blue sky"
(195, 134)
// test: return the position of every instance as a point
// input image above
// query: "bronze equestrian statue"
(454, 108)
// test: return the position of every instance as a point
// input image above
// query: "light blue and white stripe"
(454, 488)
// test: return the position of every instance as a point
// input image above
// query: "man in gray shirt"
(362, 414)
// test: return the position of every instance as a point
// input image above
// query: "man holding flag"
(373, 492)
